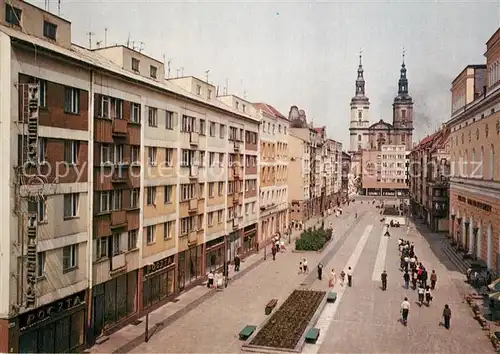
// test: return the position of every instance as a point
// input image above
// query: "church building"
(369, 141)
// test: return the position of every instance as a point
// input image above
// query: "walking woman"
(446, 316)
(333, 279)
(428, 295)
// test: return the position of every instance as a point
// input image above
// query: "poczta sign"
(50, 310)
(159, 265)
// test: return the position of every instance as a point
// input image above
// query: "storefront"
(386, 192)
(190, 263)
(234, 244)
(158, 281)
(113, 301)
(214, 255)
(58, 327)
(250, 238)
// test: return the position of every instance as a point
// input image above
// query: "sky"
(304, 53)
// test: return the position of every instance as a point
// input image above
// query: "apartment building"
(273, 163)
(429, 168)
(346, 171)
(122, 188)
(384, 171)
(474, 180)
(298, 177)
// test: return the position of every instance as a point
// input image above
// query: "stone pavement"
(366, 318)
(132, 336)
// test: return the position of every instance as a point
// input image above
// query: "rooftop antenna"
(46, 7)
(245, 94)
(226, 88)
(128, 40)
(182, 71)
(98, 43)
(178, 72)
(59, 8)
(105, 37)
(90, 34)
(133, 45)
(168, 68)
(206, 75)
(141, 46)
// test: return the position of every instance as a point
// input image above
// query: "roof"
(430, 140)
(388, 125)
(270, 110)
(93, 58)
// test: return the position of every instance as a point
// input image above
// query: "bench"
(247, 332)
(271, 305)
(331, 297)
(312, 335)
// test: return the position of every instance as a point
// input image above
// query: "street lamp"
(453, 226)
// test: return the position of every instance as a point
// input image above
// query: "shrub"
(313, 239)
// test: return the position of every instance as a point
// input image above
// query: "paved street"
(364, 319)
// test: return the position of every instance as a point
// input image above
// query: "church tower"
(402, 111)
(360, 120)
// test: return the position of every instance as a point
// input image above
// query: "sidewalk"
(132, 335)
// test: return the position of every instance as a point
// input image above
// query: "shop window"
(62, 336)
(77, 329)
(110, 301)
(121, 297)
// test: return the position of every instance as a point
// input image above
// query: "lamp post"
(453, 226)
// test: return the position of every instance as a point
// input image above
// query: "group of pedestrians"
(416, 273)
(332, 280)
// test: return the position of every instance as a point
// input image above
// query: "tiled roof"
(270, 110)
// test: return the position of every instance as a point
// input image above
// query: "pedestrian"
(277, 244)
(428, 295)
(384, 280)
(342, 278)
(446, 316)
(237, 262)
(407, 261)
(349, 277)
(414, 278)
(405, 310)
(333, 278)
(304, 266)
(273, 251)
(406, 278)
(320, 271)
(210, 282)
(301, 268)
(434, 279)
(282, 245)
(424, 277)
(421, 294)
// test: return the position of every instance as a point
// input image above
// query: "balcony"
(192, 238)
(120, 174)
(118, 219)
(118, 262)
(194, 138)
(236, 146)
(193, 172)
(193, 205)
(236, 172)
(236, 222)
(236, 198)
(120, 127)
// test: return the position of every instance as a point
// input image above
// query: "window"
(110, 200)
(188, 191)
(116, 108)
(244, 108)
(212, 129)
(135, 64)
(222, 131)
(134, 198)
(39, 207)
(118, 154)
(13, 15)
(202, 127)
(150, 234)
(42, 92)
(42, 150)
(167, 191)
(237, 105)
(221, 188)
(71, 205)
(220, 216)
(209, 95)
(134, 154)
(211, 159)
(71, 100)
(132, 240)
(492, 162)
(169, 157)
(187, 158)
(168, 229)
(211, 189)
(210, 219)
(40, 264)
(198, 89)
(169, 120)
(49, 30)
(135, 115)
(115, 245)
(188, 124)
(152, 71)
(187, 225)
(152, 156)
(71, 149)
(152, 117)
(69, 257)
(150, 195)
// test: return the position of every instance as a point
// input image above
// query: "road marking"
(326, 317)
(381, 256)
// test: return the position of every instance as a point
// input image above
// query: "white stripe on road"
(381, 256)
(326, 317)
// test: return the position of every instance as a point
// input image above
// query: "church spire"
(360, 81)
(403, 80)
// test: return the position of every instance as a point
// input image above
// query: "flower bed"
(286, 326)
(313, 239)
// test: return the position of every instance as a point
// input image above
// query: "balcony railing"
(236, 198)
(192, 238)
(120, 127)
(194, 138)
(236, 222)
(193, 205)
(236, 171)
(120, 174)
(193, 171)
(236, 146)
(118, 262)
(118, 218)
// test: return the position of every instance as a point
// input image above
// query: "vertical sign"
(31, 260)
